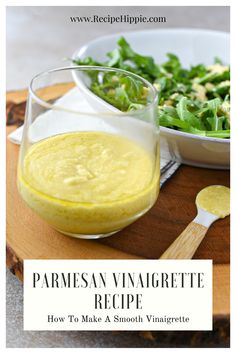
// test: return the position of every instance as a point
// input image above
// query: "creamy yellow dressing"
(215, 200)
(89, 182)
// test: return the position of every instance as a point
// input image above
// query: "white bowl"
(193, 47)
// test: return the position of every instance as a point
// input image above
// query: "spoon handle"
(187, 243)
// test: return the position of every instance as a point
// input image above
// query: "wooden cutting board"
(29, 237)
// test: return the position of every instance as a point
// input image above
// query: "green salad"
(195, 100)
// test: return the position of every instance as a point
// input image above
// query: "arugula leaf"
(167, 121)
(186, 115)
(144, 63)
(217, 60)
(115, 57)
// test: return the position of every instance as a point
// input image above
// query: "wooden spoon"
(213, 203)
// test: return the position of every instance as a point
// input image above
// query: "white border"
(2, 178)
(3, 4)
(117, 3)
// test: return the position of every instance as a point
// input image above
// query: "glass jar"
(90, 170)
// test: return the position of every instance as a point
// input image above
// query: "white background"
(41, 302)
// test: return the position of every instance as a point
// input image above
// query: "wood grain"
(29, 237)
(151, 235)
(186, 244)
(47, 93)
(221, 289)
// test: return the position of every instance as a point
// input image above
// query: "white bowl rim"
(169, 30)
(194, 136)
(171, 131)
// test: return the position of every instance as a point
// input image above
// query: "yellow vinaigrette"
(215, 200)
(89, 182)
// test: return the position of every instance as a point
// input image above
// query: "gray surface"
(37, 39)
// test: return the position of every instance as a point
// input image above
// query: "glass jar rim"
(46, 104)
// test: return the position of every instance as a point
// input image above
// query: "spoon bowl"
(213, 203)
